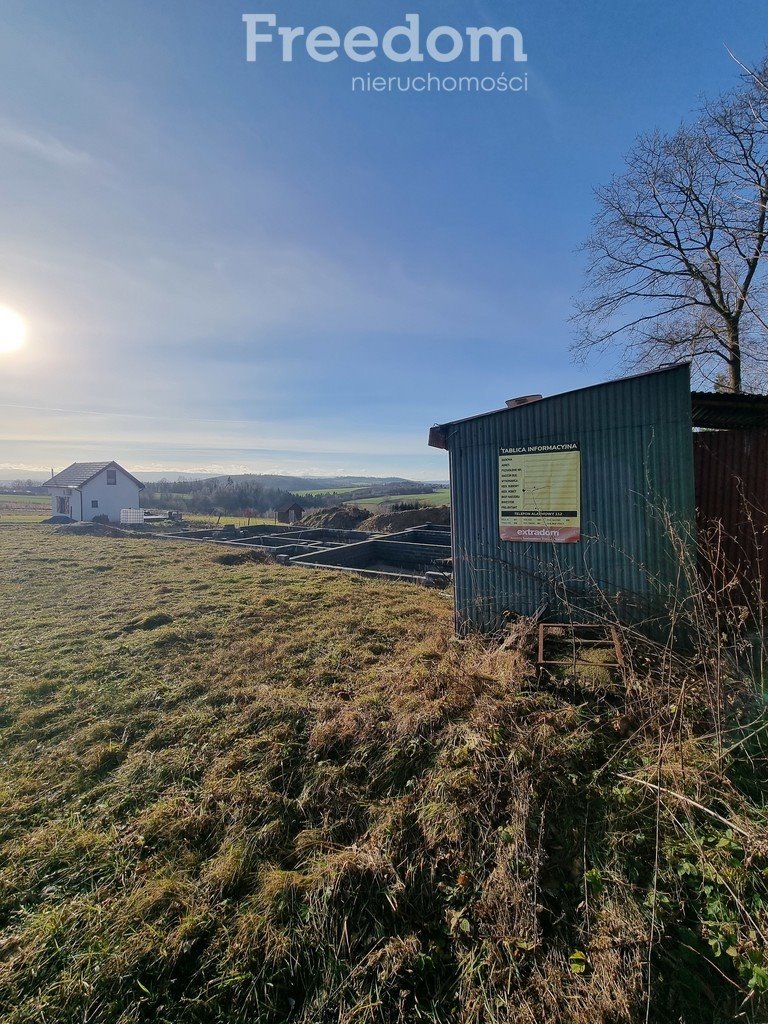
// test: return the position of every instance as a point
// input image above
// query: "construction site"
(421, 554)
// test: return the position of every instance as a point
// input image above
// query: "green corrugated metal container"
(636, 478)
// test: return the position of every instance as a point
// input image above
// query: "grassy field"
(154, 497)
(326, 490)
(24, 508)
(200, 519)
(250, 794)
(25, 499)
(441, 497)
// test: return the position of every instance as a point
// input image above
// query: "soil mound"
(85, 530)
(393, 522)
(339, 517)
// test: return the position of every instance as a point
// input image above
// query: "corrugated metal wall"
(636, 458)
(732, 490)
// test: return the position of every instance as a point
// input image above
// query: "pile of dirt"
(56, 520)
(338, 517)
(86, 529)
(393, 522)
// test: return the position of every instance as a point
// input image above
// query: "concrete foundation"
(420, 555)
(387, 559)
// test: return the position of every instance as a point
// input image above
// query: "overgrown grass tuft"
(241, 793)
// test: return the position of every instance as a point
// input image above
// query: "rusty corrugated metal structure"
(731, 472)
(638, 500)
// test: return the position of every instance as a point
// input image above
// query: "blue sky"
(248, 267)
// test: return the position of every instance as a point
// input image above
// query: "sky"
(235, 266)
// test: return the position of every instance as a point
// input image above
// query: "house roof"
(291, 505)
(79, 473)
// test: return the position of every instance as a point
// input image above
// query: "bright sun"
(13, 330)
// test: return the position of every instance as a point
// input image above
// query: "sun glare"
(13, 330)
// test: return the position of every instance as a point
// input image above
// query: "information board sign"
(540, 493)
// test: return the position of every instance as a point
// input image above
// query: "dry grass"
(251, 794)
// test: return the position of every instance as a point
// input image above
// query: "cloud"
(44, 147)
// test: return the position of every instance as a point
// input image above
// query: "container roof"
(709, 410)
(729, 412)
(437, 437)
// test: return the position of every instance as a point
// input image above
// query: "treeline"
(238, 495)
(217, 496)
(22, 487)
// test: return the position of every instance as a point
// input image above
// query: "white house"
(85, 490)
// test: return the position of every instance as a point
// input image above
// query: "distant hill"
(288, 483)
(266, 479)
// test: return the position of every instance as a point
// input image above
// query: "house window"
(111, 476)
(94, 504)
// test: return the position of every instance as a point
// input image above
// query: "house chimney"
(512, 403)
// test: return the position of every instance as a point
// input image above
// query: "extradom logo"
(400, 44)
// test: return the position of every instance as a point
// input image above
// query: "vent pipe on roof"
(512, 403)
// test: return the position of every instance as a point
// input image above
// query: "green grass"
(157, 497)
(20, 513)
(25, 499)
(254, 794)
(441, 497)
(327, 490)
(24, 508)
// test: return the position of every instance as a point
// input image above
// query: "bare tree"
(678, 248)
